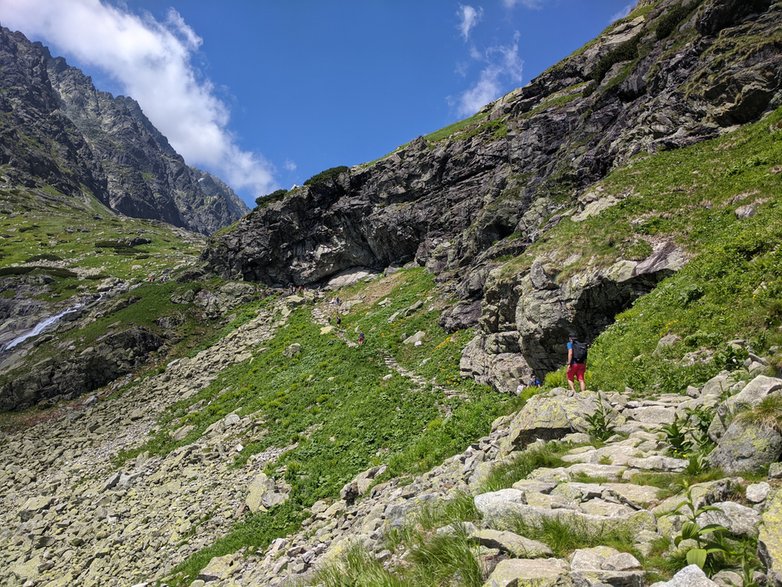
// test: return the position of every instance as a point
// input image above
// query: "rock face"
(459, 204)
(111, 356)
(444, 202)
(58, 130)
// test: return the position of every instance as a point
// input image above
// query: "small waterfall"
(41, 326)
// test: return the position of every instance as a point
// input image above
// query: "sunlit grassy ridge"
(45, 227)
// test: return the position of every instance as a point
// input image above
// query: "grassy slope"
(732, 286)
(80, 233)
(58, 234)
(333, 402)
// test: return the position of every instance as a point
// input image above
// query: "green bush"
(275, 196)
(327, 176)
(626, 51)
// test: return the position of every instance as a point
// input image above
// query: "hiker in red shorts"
(576, 361)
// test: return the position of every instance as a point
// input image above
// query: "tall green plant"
(710, 547)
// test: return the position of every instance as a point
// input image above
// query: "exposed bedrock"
(466, 199)
(455, 201)
(526, 317)
(112, 356)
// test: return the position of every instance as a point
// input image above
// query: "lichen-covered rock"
(746, 446)
(738, 519)
(549, 416)
(690, 576)
(749, 396)
(770, 538)
(551, 572)
(513, 544)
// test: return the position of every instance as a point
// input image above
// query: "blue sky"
(267, 93)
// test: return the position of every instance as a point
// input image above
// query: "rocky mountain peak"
(104, 143)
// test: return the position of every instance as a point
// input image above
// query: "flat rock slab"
(579, 491)
(603, 558)
(498, 511)
(636, 496)
(533, 485)
(600, 507)
(497, 503)
(652, 415)
(659, 463)
(517, 572)
(511, 543)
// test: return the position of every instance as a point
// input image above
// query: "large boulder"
(485, 361)
(745, 447)
(516, 572)
(264, 493)
(751, 395)
(549, 416)
(691, 576)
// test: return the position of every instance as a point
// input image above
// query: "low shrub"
(327, 176)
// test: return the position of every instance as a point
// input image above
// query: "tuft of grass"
(671, 484)
(506, 474)
(438, 558)
(564, 537)
(444, 559)
(355, 568)
(767, 413)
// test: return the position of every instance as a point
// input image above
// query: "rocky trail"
(69, 517)
(598, 489)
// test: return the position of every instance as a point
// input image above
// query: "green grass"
(49, 228)
(355, 568)
(432, 515)
(670, 484)
(438, 558)
(333, 402)
(564, 537)
(687, 196)
(506, 474)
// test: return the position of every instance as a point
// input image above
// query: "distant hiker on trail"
(360, 338)
(576, 361)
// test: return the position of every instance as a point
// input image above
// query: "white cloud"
(151, 61)
(469, 17)
(531, 4)
(502, 65)
(290, 165)
(622, 13)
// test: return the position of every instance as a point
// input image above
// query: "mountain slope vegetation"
(329, 395)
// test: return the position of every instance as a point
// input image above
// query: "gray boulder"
(770, 539)
(549, 416)
(514, 572)
(746, 446)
